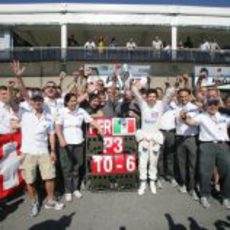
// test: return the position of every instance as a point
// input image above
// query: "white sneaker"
(34, 209)
(226, 203)
(173, 183)
(217, 187)
(194, 195)
(141, 189)
(159, 184)
(204, 202)
(153, 188)
(53, 204)
(77, 194)
(68, 197)
(182, 189)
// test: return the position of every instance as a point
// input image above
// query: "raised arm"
(135, 89)
(18, 71)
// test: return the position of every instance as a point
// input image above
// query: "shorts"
(43, 162)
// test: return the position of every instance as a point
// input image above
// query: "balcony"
(119, 54)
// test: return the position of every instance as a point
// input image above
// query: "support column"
(174, 37)
(64, 38)
(174, 41)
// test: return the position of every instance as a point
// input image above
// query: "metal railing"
(118, 54)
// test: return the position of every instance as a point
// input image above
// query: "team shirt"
(213, 128)
(71, 122)
(35, 132)
(181, 128)
(6, 116)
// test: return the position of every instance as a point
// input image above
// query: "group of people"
(157, 44)
(182, 133)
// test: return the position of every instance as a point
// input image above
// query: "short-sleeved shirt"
(181, 128)
(167, 121)
(71, 122)
(35, 132)
(53, 106)
(6, 115)
(213, 128)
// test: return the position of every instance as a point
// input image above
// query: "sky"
(220, 3)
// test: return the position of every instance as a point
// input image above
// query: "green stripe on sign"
(117, 126)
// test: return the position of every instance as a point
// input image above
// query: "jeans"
(71, 158)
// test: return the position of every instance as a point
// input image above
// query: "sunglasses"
(51, 86)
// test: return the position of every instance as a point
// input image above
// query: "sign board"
(213, 75)
(104, 71)
(114, 159)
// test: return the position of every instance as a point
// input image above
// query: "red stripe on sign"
(131, 125)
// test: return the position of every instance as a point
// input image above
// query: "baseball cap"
(37, 95)
(212, 102)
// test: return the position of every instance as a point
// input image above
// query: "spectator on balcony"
(166, 46)
(72, 41)
(188, 43)
(101, 44)
(214, 46)
(131, 45)
(90, 44)
(113, 43)
(157, 43)
(205, 46)
(180, 45)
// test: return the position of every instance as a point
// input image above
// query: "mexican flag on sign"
(124, 126)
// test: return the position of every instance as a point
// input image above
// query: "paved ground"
(120, 211)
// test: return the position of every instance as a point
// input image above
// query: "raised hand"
(17, 69)
(62, 75)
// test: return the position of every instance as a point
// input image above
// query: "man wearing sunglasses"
(52, 102)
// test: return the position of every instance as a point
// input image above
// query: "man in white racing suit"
(149, 137)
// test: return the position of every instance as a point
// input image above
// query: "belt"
(180, 136)
(213, 142)
(168, 131)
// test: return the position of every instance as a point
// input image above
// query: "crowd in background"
(184, 135)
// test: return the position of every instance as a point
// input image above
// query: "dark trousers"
(212, 154)
(187, 160)
(71, 158)
(167, 156)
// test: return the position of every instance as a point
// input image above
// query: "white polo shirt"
(213, 128)
(35, 132)
(53, 106)
(168, 119)
(181, 128)
(6, 115)
(71, 122)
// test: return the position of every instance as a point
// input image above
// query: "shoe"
(173, 183)
(193, 194)
(153, 188)
(34, 209)
(204, 202)
(182, 189)
(77, 194)
(159, 184)
(68, 197)
(141, 189)
(217, 187)
(53, 204)
(226, 203)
